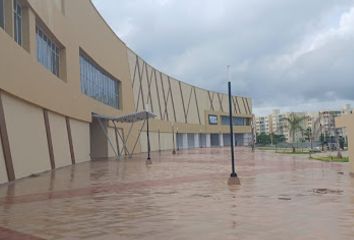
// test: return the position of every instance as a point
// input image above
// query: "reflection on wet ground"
(183, 196)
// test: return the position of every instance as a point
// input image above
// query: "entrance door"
(179, 140)
(239, 139)
(98, 139)
(202, 140)
(191, 141)
(214, 140)
(227, 139)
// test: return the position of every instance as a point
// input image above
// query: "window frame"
(2, 14)
(236, 121)
(97, 83)
(18, 25)
(48, 51)
(213, 119)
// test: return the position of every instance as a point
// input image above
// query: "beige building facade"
(347, 122)
(60, 63)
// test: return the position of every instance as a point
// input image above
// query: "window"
(236, 121)
(97, 83)
(213, 119)
(17, 22)
(239, 121)
(47, 52)
(225, 120)
(2, 15)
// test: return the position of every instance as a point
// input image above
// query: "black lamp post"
(177, 142)
(233, 173)
(173, 139)
(148, 137)
(322, 137)
(233, 180)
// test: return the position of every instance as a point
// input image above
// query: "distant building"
(320, 123)
(346, 121)
(262, 125)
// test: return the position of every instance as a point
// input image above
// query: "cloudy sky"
(295, 55)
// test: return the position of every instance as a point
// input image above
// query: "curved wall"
(46, 120)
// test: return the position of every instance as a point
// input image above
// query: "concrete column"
(221, 140)
(196, 140)
(207, 138)
(185, 141)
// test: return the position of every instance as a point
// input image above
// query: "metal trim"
(6, 143)
(68, 128)
(49, 138)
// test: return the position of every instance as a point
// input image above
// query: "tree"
(263, 139)
(279, 138)
(294, 122)
(308, 134)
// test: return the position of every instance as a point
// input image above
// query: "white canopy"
(130, 118)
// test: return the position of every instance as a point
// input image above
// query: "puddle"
(165, 193)
(284, 198)
(327, 191)
(201, 195)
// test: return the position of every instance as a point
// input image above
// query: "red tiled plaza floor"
(183, 196)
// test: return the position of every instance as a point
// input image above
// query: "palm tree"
(295, 125)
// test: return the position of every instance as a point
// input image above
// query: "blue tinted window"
(236, 121)
(17, 22)
(213, 119)
(225, 120)
(47, 52)
(96, 83)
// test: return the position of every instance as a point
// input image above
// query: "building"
(275, 123)
(347, 121)
(262, 125)
(321, 123)
(347, 109)
(61, 65)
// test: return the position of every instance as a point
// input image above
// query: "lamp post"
(177, 139)
(148, 160)
(148, 135)
(322, 137)
(233, 180)
(173, 139)
(253, 133)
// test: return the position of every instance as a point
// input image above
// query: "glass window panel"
(2, 15)
(238, 121)
(17, 22)
(98, 84)
(47, 52)
(225, 120)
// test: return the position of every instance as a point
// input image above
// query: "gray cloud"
(285, 54)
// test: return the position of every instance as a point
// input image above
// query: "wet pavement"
(183, 196)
